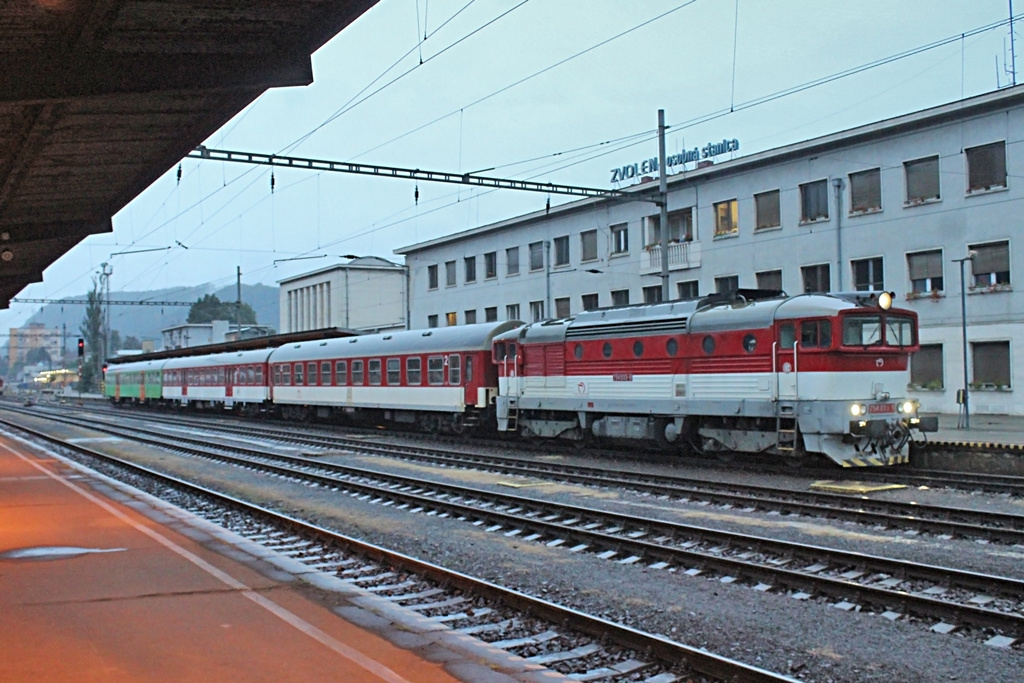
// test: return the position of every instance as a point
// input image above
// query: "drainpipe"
(837, 184)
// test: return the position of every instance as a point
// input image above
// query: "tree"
(38, 355)
(131, 343)
(92, 331)
(209, 308)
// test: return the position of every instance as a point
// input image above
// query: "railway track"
(575, 644)
(938, 520)
(944, 597)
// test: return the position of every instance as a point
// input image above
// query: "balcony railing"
(681, 256)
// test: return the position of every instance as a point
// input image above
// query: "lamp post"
(963, 333)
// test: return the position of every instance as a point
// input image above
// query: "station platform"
(101, 582)
(987, 431)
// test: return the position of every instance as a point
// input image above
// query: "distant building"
(902, 204)
(35, 336)
(366, 294)
(199, 334)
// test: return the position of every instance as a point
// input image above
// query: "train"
(757, 372)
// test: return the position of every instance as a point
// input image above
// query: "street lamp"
(963, 331)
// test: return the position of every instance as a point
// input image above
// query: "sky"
(555, 91)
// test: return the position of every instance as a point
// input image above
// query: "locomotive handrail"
(775, 370)
(796, 373)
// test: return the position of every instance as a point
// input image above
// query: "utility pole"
(105, 308)
(238, 303)
(663, 206)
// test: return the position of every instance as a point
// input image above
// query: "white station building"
(898, 205)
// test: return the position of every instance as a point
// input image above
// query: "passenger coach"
(236, 380)
(439, 379)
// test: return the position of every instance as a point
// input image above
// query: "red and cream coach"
(439, 379)
(235, 380)
(751, 371)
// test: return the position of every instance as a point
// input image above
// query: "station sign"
(650, 166)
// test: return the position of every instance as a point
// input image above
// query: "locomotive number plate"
(881, 407)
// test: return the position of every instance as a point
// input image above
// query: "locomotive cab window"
(899, 331)
(815, 334)
(862, 330)
(787, 336)
(499, 352)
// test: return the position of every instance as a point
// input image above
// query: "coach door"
(785, 362)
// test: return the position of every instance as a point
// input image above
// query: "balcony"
(681, 256)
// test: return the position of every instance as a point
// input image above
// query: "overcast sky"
(528, 89)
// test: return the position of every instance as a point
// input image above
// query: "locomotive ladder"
(785, 427)
(513, 414)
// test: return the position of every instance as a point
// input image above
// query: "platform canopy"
(98, 98)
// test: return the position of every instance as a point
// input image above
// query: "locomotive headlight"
(907, 407)
(885, 301)
(858, 409)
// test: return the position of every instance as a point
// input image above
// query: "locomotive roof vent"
(427, 333)
(740, 297)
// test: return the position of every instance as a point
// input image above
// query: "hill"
(145, 322)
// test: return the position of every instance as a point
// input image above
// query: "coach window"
(259, 375)
(638, 348)
(469, 369)
(341, 373)
(435, 370)
(413, 371)
(787, 336)
(298, 375)
(325, 373)
(606, 350)
(311, 374)
(357, 372)
(577, 351)
(815, 334)
(250, 374)
(708, 344)
(454, 374)
(373, 367)
(394, 371)
(286, 374)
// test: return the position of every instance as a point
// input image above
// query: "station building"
(898, 205)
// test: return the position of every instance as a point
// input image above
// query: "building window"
(814, 201)
(688, 290)
(491, 314)
(491, 264)
(925, 268)
(991, 362)
(394, 371)
(766, 206)
(449, 273)
(620, 297)
(770, 279)
(470, 316)
(561, 252)
(512, 312)
(432, 277)
(562, 307)
(620, 238)
(726, 218)
(727, 283)
(588, 245)
(413, 370)
(470, 262)
(922, 179)
(431, 321)
(652, 294)
(866, 191)
(986, 167)
(537, 256)
(512, 261)
(451, 319)
(589, 302)
(991, 264)
(867, 275)
(817, 278)
(680, 226)
(537, 311)
(926, 367)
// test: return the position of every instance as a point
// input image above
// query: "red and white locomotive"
(750, 372)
